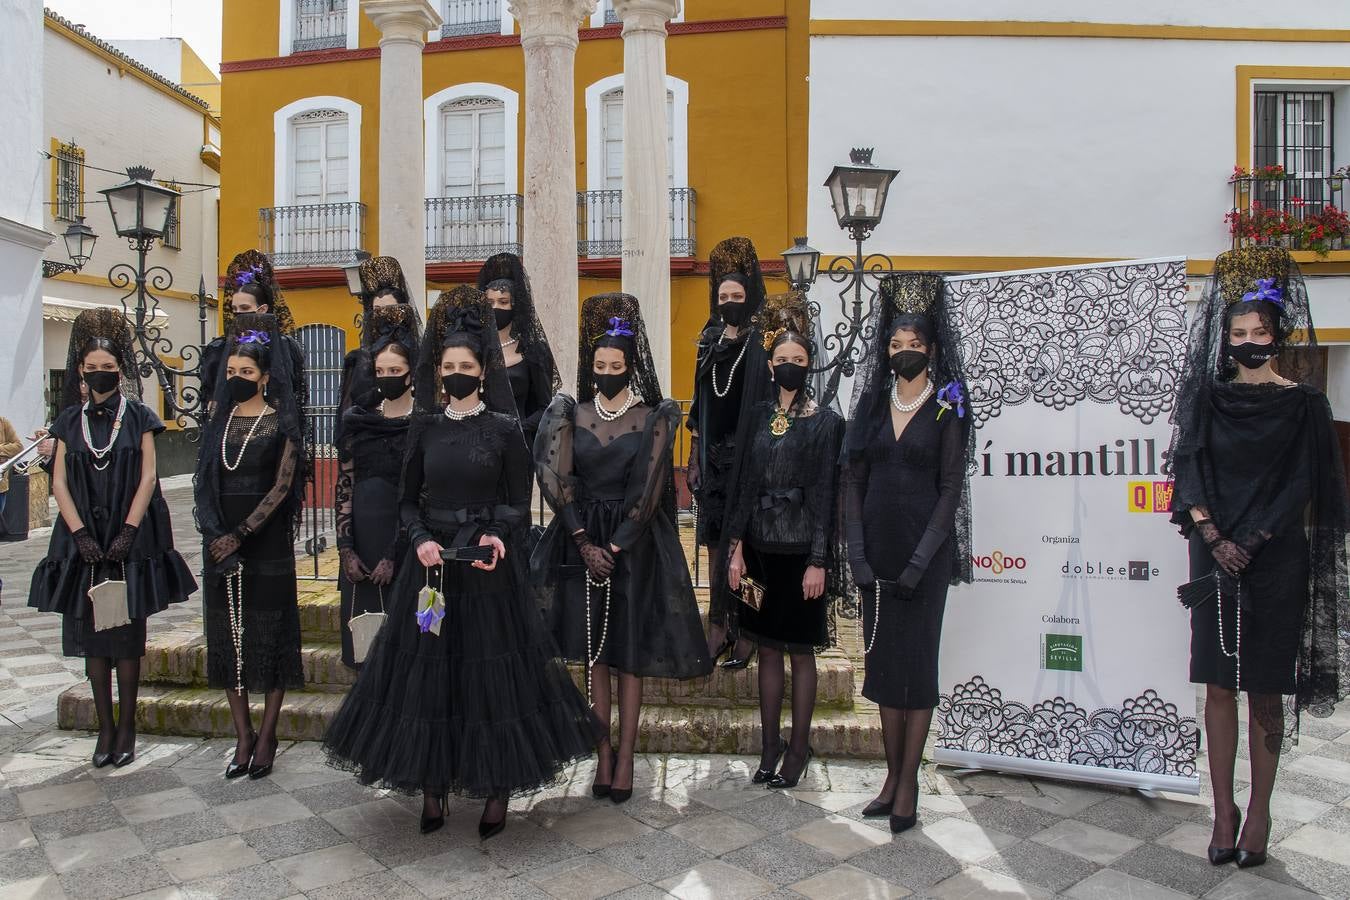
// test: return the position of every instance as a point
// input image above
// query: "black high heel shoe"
(905, 823)
(620, 795)
(1247, 859)
(763, 775)
(727, 646)
(778, 781)
(434, 823)
(740, 662)
(1221, 856)
(262, 771)
(240, 769)
(488, 829)
(601, 791)
(126, 757)
(101, 757)
(878, 808)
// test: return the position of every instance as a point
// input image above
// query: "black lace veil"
(596, 313)
(253, 267)
(104, 324)
(734, 256)
(531, 340)
(465, 310)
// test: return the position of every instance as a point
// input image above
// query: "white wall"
(1220, 13)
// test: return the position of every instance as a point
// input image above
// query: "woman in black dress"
(616, 588)
(525, 349)
(382, 287)
(730, 377)
(370, 463)
(462, 690)
(781, 528)
(113, 527)
(906, 519)
(1260, 494)
(249, 486)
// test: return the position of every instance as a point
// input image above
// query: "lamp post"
(141, 210)
(801, 262)
(79, 239)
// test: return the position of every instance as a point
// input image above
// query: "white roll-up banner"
(1068, 654)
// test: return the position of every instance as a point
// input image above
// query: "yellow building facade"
(300, 176)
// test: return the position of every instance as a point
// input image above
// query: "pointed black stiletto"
(763, 775)
(778, 781)
(1222, 856)
(727, 646)
(601, 791)
(740, 662)
(236, 769)
(488, 829)
(102, 758)
(124, 759)
(619, 795)
(1248, 859)
(878, 808)
(903, 823)
(262, 771)
(434, 823)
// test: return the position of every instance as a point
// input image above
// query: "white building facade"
(1068, 132)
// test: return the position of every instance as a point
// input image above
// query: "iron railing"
(600, 223)
(1300, 213)
(471, 17)
(467, 228)
(325, 347)
(611, 15)
(320, 25)
(319, 234)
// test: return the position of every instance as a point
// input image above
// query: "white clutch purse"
(109, 599)
(364, 627)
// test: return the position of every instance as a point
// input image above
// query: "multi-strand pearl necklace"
(915, 403)
(234, 604)
(876, 616)
(591, 660)
(1236, 655)
(731, 374)
(224, 456)
(607, 416)
(100, 453)
(455, 415)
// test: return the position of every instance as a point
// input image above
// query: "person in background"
(10, 447)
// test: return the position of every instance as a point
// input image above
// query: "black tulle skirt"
(485, 709)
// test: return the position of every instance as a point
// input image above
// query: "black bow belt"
(465, 523)
(774, 499)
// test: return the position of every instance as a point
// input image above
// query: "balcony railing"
(611, 15)
(471, 17)
(320, 24)
(600, 223)
(1300, 213)
(320, 234)
(467, 228)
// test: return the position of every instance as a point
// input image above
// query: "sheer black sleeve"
(651, 470)
(553, 460)
(410, 504)
(342, 501)
(951, 477)
(280, 492)
(822, 490)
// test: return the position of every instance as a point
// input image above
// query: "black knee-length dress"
(895, 492)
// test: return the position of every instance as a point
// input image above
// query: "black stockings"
(1265, 733)
(630, 711)
(116, 732)
(247, 744)
(1222, 732)
(128, 679)
(99, 669)
(772, 687)
(904, 733)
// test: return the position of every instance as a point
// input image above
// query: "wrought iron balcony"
(1300, 213)
(600, 223)
(468, 228)
(464, 17)
(320, 24)
(611, 15)
(319, 234)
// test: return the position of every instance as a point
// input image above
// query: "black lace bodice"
(267, 466)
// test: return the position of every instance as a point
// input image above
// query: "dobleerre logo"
(1139, 571)
(1096, 570)
(1062, 652)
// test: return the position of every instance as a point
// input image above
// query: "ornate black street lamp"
(79, 239)
(801, 262)
(142, 211)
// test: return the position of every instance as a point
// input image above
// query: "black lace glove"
(692, 475)
(121, 545)
(351, 565)
(598, 560)
(90, 551)
(1230, 557)
(383, 573)
(224, 547)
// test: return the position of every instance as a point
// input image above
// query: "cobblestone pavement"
(170, 826)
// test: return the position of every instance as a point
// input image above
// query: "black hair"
(792, 337)
(1269, 313)
(398, 348)
(502, 284)
(619, 342)
(918, 323)
(737, 278)
(259, 291)
(397, 294)
(467, 339)
(256, 351)
(98, 343)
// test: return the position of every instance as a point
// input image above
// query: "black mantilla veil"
(462, 311)
(377, 275)
(915, 299)
(789, 315)
(734, 256)
(531, 340)
(286, 392)
(1301, 482)
(254, 268)
(380, 327)
(105, 326)
(597, 313)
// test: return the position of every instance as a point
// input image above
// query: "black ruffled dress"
(893, 493)
(613, 479)
(155, 573)
(370, 464)
(256, 494)
(785, 518)
(485, 708)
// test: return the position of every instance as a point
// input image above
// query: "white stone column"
(646, 175)
(403, 26)
(548, 35)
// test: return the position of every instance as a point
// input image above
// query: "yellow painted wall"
(198, 79)
(747, 137)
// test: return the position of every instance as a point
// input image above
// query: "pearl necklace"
(234, 605)
(607, 416)
(731, 375)
(455, 416)
(1236, 654)
(101, 452)
(506, 344)
(876, 616)
(604, 631)
(224, 456)
(915, 403)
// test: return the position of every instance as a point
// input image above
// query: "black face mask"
(612, 385)
(241, 389)
(789, 376)
(908, 364)
(391, 387)
(732, 313)
(459, 385)
(102, 382)
(504, 317)
(1252, 356)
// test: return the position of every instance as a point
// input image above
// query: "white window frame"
(678, 89)
(508, 25)
(283, 136)
(433, 134)
(286, 38)
(598, 17)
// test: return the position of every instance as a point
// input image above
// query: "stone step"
(164, 709)
(178, 659)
